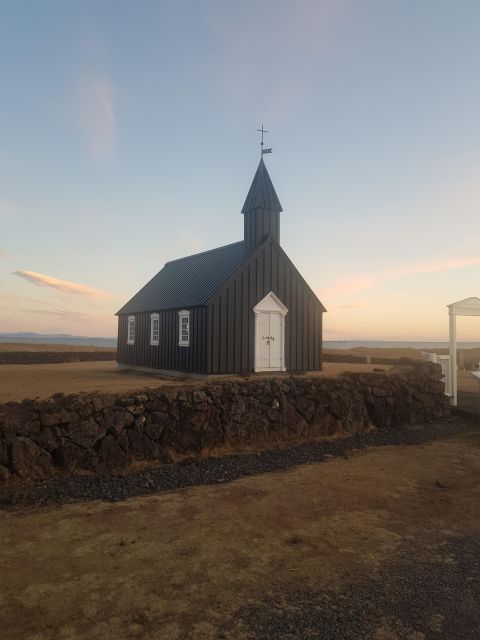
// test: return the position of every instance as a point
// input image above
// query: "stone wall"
(107, 432)
(360, 359)
(54, 357)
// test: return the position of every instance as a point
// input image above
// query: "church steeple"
(261, 209)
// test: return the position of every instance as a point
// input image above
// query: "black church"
(238, 309)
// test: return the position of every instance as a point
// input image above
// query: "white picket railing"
(444, 362)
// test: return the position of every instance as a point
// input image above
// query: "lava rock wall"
(92, 432)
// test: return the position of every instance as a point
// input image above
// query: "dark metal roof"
(188, 282)
(262, 193)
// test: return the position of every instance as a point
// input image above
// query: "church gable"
(231, 313)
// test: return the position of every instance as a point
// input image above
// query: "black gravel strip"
(110, 487)
(415, 596)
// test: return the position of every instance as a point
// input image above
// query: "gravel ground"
(65, 489)
(433, 595)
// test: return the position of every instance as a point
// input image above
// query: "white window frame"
(182, 341)
(130, 322)
(154, 317)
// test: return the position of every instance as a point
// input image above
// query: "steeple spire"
(262, 192)
(261, 209)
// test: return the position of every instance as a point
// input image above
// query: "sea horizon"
(33, 338)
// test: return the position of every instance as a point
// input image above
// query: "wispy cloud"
(95, 110)
(66, 314)
(362, 304)
(65, 286)
(365, 282)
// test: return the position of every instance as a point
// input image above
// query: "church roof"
(262, 193)
(188, 282)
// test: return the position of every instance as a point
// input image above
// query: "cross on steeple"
(262, 131)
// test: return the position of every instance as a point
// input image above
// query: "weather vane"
(262, 131)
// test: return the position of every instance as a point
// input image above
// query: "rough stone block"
(85, 433)
(46, 439)
(111, 455)
(29, 460)
(71, 456)
(61, 416)
(4, 453)
(4, 473)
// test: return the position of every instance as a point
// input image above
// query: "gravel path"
(428, 593)
(111, 487)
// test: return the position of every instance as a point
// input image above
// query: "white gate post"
(453, 356)
(467, 307)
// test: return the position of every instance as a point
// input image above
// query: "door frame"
(270, 304)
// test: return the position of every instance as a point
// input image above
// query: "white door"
(263, 344)
(270, 334)
(276, 340)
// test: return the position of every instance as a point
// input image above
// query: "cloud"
(362, 304)
(60, 313)
(65, 286)
(435, 267)
(67, 315)
(357, 284)
(94, 103)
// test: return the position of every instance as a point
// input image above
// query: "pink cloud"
(65, 286)
(357, 284)
(434, 267)
(361, 304)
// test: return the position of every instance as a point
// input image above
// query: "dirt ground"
(383, 545)
(43, 380)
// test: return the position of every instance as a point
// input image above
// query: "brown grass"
(379, 352)
(43, 380)
(176, 565)
(58, 348)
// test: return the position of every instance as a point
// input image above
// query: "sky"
(128, 139)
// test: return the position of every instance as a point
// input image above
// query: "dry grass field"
(379, 352)
(372, 547)
(43, 380)
(59, 348)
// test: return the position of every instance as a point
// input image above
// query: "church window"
(154, 329)
(183, 328)
(131, 330)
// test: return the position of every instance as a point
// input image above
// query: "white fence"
(444, 362)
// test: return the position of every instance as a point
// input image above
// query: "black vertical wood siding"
(231, 327)
(167, 355)
(258, 224)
